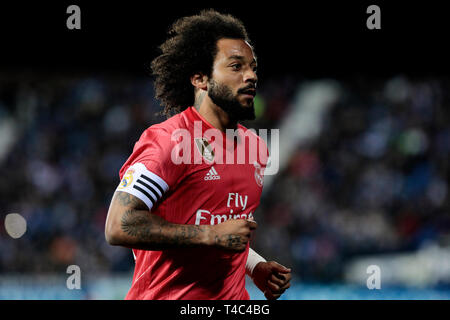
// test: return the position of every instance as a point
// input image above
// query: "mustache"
(249, 87)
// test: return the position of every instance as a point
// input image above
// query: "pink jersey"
(203, 189)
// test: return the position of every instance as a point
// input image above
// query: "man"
(189, 223)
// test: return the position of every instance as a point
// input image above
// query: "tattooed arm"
(129, 223)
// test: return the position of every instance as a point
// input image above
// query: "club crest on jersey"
(259, 174)
(127, 179)
(205, 149)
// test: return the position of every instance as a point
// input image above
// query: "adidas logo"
(212, 175)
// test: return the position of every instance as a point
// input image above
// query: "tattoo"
(183, 235)
(134, 223)
(199, 100)
(229, 240)
(152, 231)
(126, 200)
(233, 241)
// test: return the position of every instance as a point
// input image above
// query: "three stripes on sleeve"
(143, 184)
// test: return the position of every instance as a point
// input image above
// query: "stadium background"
(364, 140)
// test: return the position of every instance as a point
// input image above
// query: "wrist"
(208, 235)
(253, 260)
(254, 271)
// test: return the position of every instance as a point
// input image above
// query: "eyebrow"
(240, 58)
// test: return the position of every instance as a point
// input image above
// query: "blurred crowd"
(72, 135)
(374, 181)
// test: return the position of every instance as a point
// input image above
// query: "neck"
(212, 113)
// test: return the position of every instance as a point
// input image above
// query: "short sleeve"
(150, 172)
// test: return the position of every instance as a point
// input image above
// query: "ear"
(199, 81)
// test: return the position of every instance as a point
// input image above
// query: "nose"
(250, 76)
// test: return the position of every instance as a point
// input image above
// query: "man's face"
(232, 86)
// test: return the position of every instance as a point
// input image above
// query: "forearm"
(144, 230)
(136, 227)
(130, 224)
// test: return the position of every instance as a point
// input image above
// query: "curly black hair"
(190, 49)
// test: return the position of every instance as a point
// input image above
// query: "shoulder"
(154, 150)
(173, 123)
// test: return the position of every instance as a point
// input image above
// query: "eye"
(236, 66)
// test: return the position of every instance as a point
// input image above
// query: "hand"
(232, 234)
(272, 279)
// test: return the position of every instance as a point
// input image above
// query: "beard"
(223, 97)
